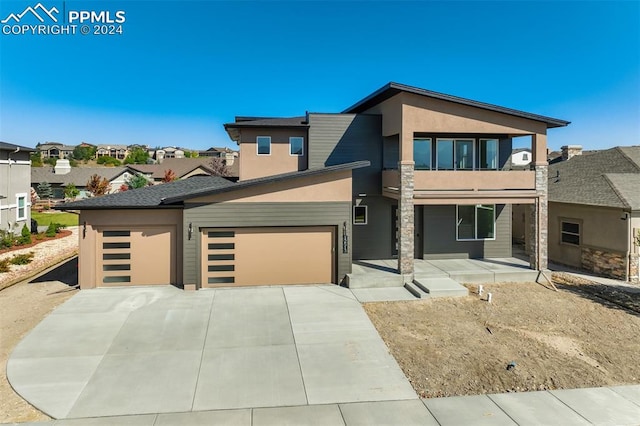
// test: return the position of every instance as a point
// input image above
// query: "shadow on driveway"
(66, 273)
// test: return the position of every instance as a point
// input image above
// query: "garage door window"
(116, 257)
(220, 267)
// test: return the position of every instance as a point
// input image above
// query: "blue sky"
(183, 68)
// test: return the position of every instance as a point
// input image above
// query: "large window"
(296, 146)
(476, 222)
(21, 203)
(422, 154)
(488, 154)
(264, 145)
(570, 232)
(455, 154)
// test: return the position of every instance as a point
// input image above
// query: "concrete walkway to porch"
(377, 280)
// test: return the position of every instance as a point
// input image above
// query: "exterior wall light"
(84, 229)
(190, 230)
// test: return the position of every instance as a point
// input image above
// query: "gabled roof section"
(6, 146)
(77, 175)
(392, 89)
(608, 178)
(149, 196)
(179, 166)
(266, 180)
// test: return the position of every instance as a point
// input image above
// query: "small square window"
(296, 146)
(264, 145)
(570, 233)
(359, 215)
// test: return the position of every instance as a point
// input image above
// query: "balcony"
(477, 186)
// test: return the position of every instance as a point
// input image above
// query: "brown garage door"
(137, 256)
(268, 256)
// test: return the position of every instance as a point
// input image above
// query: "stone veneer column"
(539, 221)
(406, 220)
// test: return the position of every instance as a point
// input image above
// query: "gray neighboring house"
(15, 186)
(62, 175)
(594, 210)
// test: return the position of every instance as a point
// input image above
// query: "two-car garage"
(267, 256)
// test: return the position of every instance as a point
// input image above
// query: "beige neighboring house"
(55, 150)
(161, 154)
(594, 210)
(15, 200)
(183, 168)
(116, 151)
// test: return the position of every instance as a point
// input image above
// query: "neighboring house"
(167, 152)
(116, 151)
(182, 167)
(55, 150)
(15, 190)
(404, 173)
(594, 210)
(521, 157)
(225, 153)
(62, 175)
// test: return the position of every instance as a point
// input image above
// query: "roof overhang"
(391, 89)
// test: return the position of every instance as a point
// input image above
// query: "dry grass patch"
(463, 346)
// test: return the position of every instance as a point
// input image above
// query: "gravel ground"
(24, 305)
(46, 254)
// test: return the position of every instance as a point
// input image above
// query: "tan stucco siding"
(326, 187)
(391, 111)
(600, 228)
(279, 161)
(99, 220)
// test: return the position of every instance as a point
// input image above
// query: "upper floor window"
(264, 145)
(296, 146)
(476, 222)
(21, 203)
(488, 154)
(422, 154)
(454, 154)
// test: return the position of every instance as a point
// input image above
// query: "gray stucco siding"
(343, 138)
(373, 240)
(439, 233)
(233, 215)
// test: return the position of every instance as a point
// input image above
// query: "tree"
(169, 176)
(97, 185)
(218, 167)
(51, 161)
(137, 156)
(70, 191)
(36, 160)
(44, 190)
(137, 181)
(191, 154)
(84, 152)
(108, 161)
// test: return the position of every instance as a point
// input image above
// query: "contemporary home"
(15, 200)
(404, 173)
(594, 211)
(62, 175)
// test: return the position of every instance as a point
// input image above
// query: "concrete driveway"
(122, 351)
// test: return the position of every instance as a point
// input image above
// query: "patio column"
(406, 219)
(539, 214)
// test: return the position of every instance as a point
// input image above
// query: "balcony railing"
(441, 181)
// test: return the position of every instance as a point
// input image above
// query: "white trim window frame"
(364, 215)
(267, 138)
(300, 139)
(569, 235)
(475, 222)
(454, 143)
(21, 196)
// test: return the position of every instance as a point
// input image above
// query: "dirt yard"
(529, 338)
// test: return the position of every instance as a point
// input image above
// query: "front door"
(395, 228)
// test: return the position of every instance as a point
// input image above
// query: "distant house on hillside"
(15, 191)
(55, 150)
(116, 151)
(62, 175)
(182, 167)
(159, 155)
(225, 153)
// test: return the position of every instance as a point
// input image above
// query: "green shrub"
(51, 230)
(25, 235)
(39, 236)
(7, 240)
(22, 259)
(4, 265)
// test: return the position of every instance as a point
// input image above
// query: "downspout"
(630, 245)
(9, 187)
